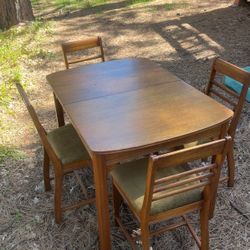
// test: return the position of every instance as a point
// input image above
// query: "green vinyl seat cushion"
(195, 143)
(67, 144)
(131, 178)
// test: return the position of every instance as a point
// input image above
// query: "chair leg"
(117, 201)
(204, 218)
(231, 167)
(58, 198)
(145, 236)
(78, 178)
(46, 177)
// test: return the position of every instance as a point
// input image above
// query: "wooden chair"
(162, 188)
(77, 46)
(214, 88)
(64, 148)
(80, 45)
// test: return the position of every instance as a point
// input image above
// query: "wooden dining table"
(129, 108)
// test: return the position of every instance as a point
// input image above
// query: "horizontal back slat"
(232, 71)
(85, 59)
(183, 174)
(190, 154)
(81, 44)
(181, 190)
(183, 182)
(223, 87)
(223, 98)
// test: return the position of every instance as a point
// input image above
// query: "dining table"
(129, 108)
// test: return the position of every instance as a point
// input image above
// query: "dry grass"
(184, 41)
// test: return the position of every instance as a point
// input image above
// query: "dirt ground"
(183, 40)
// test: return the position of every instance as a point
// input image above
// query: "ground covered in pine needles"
(183, 37)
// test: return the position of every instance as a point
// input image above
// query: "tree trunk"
(14, 11)
(240, 2)
(26, 13)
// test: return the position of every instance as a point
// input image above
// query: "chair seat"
(67, 145)
(195, 143)
(131, 178)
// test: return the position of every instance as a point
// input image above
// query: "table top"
(132, 103)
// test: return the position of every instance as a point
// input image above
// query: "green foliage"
(18, 216)
(9, 152)
(174, 6)
(76, 4)
(132, 2)
(20, 53)
(19, 47)
(70, 5)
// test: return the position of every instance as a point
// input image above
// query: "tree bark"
(26, 13)
(13, 12)
(7, 14)
(240, 2)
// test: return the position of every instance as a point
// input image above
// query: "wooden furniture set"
(134, 118)
(128, 109)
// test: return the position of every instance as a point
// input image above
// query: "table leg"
(59, 112)
(100, 177)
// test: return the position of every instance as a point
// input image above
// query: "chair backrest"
(236, 101)
(80, 45)
(205, 176)
(41, 131)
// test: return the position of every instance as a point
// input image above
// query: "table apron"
(110, 159)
